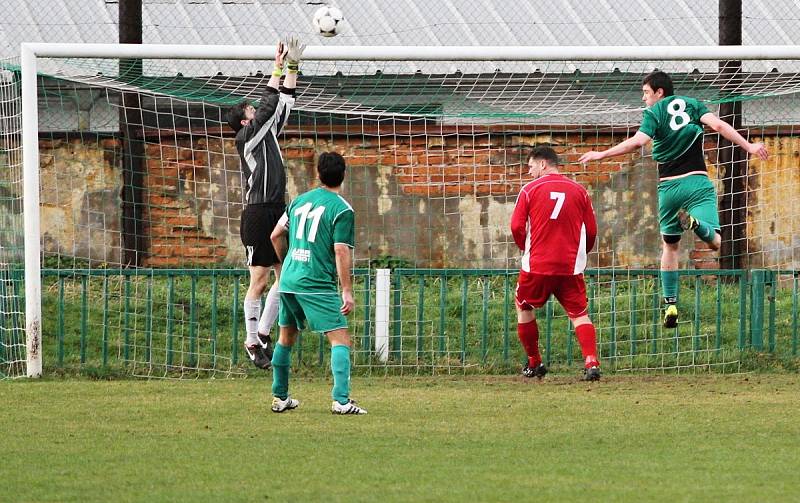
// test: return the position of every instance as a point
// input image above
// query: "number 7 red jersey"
(554, 225)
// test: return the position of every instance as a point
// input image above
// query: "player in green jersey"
(319, 226)
(686, 197)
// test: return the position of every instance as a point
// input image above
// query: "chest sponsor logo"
(301, 255)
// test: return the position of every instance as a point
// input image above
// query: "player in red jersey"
(554, 225)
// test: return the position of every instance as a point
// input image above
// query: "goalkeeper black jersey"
(264, 176)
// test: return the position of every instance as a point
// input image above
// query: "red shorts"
(533, 290)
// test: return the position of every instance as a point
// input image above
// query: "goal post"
(523, 102)
(31, 216)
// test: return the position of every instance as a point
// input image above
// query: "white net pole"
(30, 153)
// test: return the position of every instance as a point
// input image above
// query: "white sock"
(270, 313)
(251, 310)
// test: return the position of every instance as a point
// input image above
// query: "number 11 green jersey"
(315, 220)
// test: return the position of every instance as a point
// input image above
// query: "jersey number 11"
(305, 212)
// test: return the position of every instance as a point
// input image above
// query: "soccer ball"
(327, 19)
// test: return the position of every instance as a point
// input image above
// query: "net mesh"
(12, 324)
(437, 154)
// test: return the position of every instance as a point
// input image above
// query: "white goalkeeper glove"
(294, 51)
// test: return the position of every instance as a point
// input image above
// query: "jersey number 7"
(559, 199)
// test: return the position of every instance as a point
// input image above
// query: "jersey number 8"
(677, 110)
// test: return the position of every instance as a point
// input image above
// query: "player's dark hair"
(236, 115)
(331, 167)
(659, 80)
(546, 153)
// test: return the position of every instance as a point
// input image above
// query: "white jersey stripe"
(251, 159)
(284, 220)
(580, 258)
(526, 256)
(257, 138)
(345, 202)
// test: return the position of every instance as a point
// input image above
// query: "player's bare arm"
(729, 133)
(344, 265)
(278, 238)
(634, 142)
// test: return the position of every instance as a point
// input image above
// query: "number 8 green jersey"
(315, 220)
(674, 124)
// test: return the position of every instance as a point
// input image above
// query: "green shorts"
(323, 311)
(695, 194)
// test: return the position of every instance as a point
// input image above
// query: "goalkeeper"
(264, 184)
(686, 197)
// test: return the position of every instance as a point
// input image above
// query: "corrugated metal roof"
(401, 22)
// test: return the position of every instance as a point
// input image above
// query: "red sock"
(529, 337)
(588, 341)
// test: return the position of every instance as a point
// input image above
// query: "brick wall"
(482, 165)
(435, 198)
(173, 213)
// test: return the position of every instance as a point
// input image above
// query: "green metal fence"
(470, 314)
(174, 320)
(158, 320)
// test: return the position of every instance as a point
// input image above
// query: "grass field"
(628, 438)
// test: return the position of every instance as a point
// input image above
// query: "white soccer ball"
(326, 20)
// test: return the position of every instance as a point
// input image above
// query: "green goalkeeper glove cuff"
(277, 71)
(292, 67)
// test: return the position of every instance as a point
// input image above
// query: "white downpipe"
(420, 53)
(383, 287)
(30, 213)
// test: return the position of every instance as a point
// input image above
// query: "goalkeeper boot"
(671, 316)
(279, 405)
(688, 222)
(349, 408)
(592, 373)
(261, 353)
(537, 371)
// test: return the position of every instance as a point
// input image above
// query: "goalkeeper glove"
(294, 51)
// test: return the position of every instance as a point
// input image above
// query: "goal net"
(12, 309)
(140, 194)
